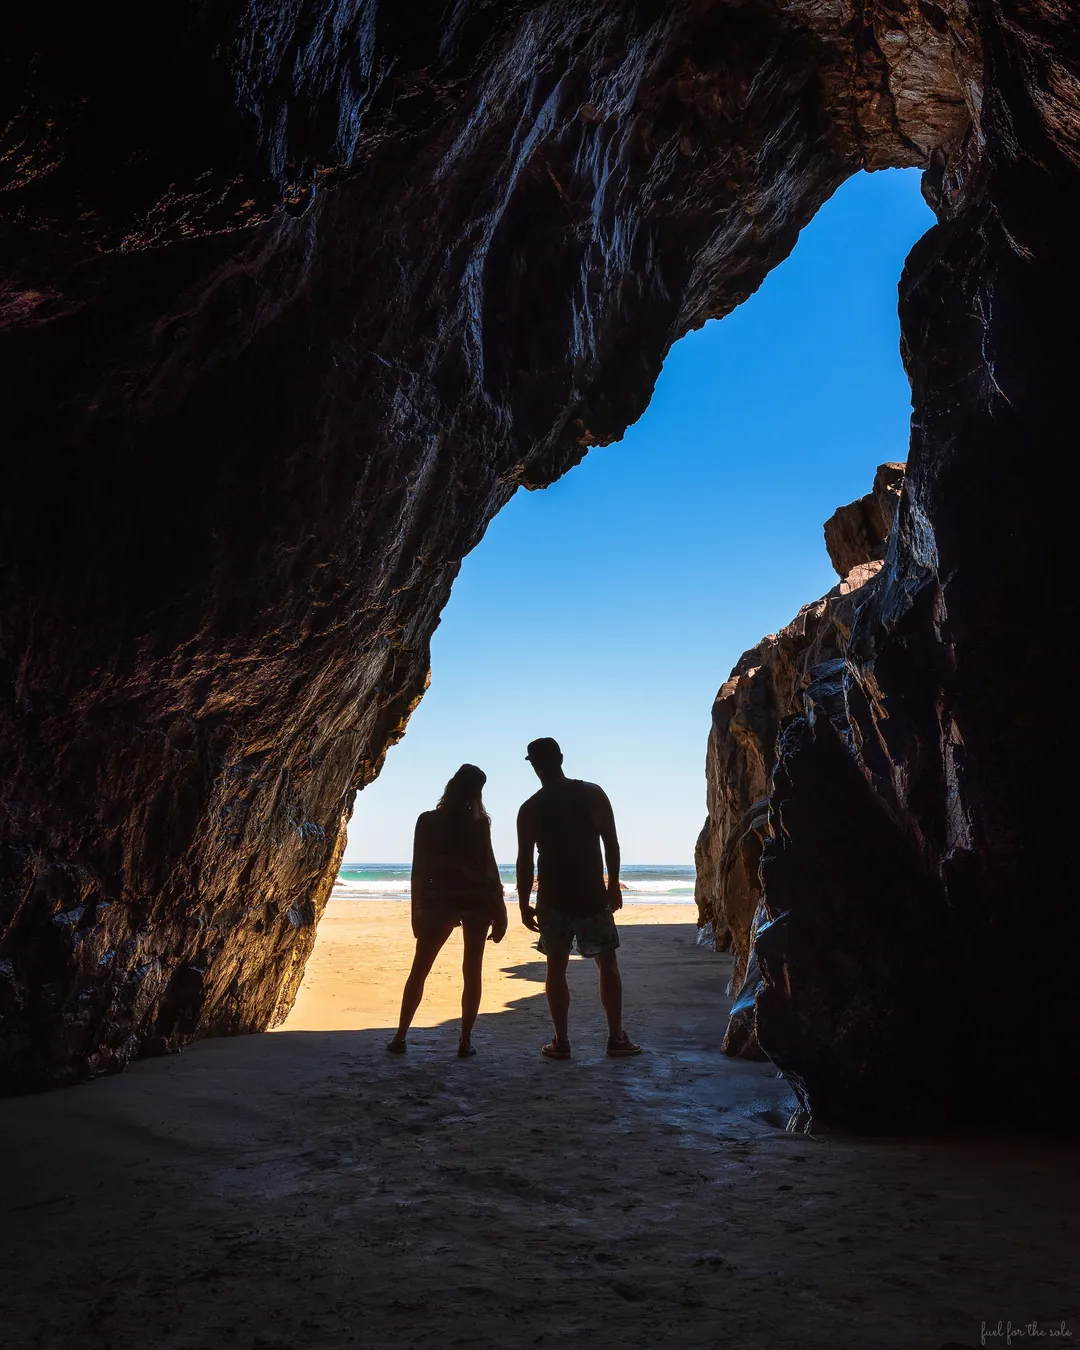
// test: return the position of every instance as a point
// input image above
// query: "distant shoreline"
(641, 883)
(509, 867)
(631, 899)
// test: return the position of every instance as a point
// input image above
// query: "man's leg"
(619, 1043)
(558, 997)
(607, 963)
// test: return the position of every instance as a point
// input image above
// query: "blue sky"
(608, 609)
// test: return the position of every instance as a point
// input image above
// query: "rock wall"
(767, 687)
(918, 960)
(293, 299)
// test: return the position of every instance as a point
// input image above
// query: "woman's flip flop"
(396, 1047)
(464, 1051)
(551, 1051)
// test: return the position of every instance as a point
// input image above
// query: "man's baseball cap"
(543, 750)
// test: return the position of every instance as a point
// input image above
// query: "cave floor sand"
(306, 1189)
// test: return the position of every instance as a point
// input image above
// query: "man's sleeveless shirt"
(571, 865)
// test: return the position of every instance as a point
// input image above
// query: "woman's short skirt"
(453, 913)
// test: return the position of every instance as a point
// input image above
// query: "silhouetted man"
(565, 822)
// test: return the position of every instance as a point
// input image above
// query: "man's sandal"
(623, 1048)
(464, 1051)
(552, 1051)
(396, 1046)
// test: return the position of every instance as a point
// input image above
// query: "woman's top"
(454, 863)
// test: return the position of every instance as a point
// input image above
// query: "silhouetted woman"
(455, 880)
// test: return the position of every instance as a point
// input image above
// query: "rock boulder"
(857, 533)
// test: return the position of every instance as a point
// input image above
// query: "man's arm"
(604, 820)
(526, 832)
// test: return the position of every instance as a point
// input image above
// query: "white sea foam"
(369, 890)
(675, 887)
(348, 889)
(641, 885)
(396, 886)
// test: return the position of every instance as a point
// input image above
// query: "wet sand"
(305, 1188)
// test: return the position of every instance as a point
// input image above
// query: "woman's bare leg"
(472, 967)
(427, 949)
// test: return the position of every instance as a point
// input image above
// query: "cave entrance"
(607, 609)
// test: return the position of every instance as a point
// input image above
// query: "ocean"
(651, 884)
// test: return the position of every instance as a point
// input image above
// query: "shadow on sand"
(306, 1188)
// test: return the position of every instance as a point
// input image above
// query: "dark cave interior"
(295, 300)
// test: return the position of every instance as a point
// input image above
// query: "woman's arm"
(498, 911)
(418, 877)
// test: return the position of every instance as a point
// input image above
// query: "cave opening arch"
(610, 605)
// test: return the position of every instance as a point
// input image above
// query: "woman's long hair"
(464, 789)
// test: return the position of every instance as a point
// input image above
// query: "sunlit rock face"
(859, 532)
(294, 298)
(770, 684)
(919, 960)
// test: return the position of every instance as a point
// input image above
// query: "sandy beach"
(353, 983)
(306, 1189)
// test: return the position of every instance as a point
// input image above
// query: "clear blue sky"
(608, 609)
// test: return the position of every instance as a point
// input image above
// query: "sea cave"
(294, 300)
